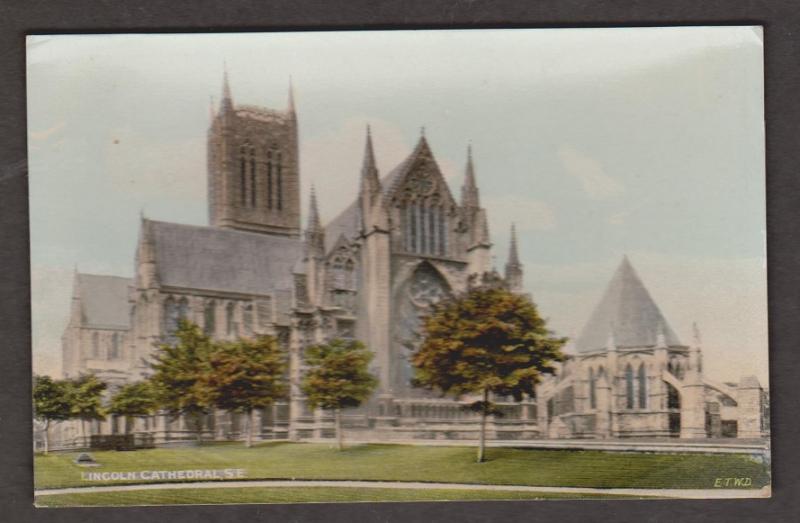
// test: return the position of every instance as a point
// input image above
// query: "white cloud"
(589, 172)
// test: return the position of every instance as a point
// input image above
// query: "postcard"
(384, 266)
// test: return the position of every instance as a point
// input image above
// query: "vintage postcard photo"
(398, 266)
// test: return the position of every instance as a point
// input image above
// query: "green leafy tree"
(85, 395)
(177, 370)
(337, 377)
(487, 341)
(51, 402)
(133, 400)
(245, 375)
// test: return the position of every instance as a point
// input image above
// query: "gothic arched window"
(279, 183)
(592, 389)
(628, 387)
(209, 317)
(350, 274)
(243, 175)
(247, 319)
(183, 309)
(252, 177)
(673, 397)
(641, 379)
(269, 179)
(171, 316)
(113, 353)
(229, 323)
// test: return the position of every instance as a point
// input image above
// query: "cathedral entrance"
(424, 288)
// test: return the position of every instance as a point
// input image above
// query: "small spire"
(422, 132)
(370, 181)
(291, 96)
(513, 266)
(315, 234)
(470, 197)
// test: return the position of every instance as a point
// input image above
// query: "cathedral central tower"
(253, 168)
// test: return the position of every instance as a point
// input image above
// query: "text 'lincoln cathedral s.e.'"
(371, 273)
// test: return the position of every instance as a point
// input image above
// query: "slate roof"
(628, 308)
(104, 301)
(212, 258)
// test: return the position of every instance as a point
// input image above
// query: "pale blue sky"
(597, 142)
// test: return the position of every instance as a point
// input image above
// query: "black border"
(781, 20)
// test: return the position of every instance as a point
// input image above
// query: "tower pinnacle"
(291, 109)
(227, 99)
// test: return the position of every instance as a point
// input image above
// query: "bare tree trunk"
(482, 442)
(249, 441)
(84, 443)
(198, 426)
(338, 417)
(46, 436)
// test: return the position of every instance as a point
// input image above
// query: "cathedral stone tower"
(253, 167)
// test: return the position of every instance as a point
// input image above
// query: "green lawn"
(288, 495)
(506, 466)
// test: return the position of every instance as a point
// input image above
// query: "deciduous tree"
(245, 375)
(177, 369)
(338, 377)
(85, 395)
(484, 342)
(51, 402)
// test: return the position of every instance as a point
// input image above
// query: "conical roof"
(629, 313)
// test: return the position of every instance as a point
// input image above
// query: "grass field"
(214, 496)
(505, 466)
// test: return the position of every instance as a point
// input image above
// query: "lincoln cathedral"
(370, 273)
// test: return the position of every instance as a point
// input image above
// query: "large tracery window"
(426, 229)
(592, 389)
(424, 288)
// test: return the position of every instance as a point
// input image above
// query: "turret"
(147, 274)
